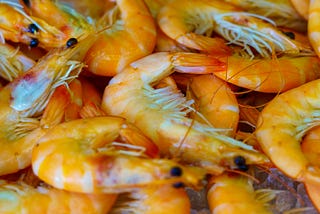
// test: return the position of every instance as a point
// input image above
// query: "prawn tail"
(206, 44)
(193, 63)
(54, 111)
(91, 100)
(91, 110)
(131, 135)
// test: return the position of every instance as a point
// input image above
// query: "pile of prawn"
(120, 106)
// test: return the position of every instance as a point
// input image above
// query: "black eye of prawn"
(241, 163)
(34, 43)
(26, 2)
(71, 42)
(290, 35)
(33, 28)
(176, 171)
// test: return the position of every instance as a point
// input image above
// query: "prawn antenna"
(246, 36)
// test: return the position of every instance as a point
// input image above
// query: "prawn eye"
(33, 28)
(290, 35)
(176, 171)
(241, 163)
(34, 43)
(26, 2)
(71, 42)
(178, 185)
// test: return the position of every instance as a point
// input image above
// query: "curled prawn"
(79, 160)
(24, 99)
(125, 41)
(19, 197)
(13, 62)
(270, 75)
(162, 113)
(187, 22)
(281, 126)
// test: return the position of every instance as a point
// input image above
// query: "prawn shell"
(79, 160)
(270, 75)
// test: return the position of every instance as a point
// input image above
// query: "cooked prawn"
(161, 114)
(232, 193)
(283, 123)
(153, 200)
(17, 26)
(19, 197)
(281, 12)
(24, 99)
(13, 62)
(79, 160)
(125, 41)
(61, 16)
(187, 21)
(270, 75)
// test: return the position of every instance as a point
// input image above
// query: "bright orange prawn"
(125, 41)
(281, 126)
(17, 26)
(19, 197)
(61, 16)
(231, 193)
(153, 200)
(270, 75)
(281, 12)
(187, 22)
(162, 113)
(24, 99)
(79, 160)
